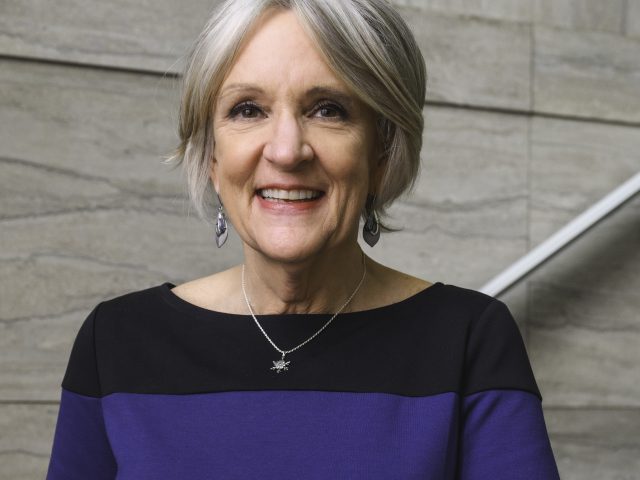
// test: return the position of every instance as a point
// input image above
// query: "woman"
(309, 360)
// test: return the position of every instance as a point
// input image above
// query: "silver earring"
(371, 229)
(221, 225)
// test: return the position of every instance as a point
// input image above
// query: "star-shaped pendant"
(280, 365)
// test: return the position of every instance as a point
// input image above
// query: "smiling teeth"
(289, 194)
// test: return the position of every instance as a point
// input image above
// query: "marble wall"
(532, 115)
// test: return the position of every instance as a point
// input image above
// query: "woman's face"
(286, 127)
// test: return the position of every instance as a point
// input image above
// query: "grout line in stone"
(462, 106)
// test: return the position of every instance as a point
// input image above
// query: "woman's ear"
(213, 165)
(380, 155)
(213, 174)
(377, 171)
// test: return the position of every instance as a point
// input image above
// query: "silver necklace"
(281, 365)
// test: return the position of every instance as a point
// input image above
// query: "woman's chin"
(290, 247)
(288, 253)
(291, 240)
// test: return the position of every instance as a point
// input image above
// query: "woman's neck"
(318, 285)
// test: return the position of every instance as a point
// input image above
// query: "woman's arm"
(81, 448)
(503, 433)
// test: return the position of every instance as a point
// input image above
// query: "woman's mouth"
(289, 202)
(279, 195)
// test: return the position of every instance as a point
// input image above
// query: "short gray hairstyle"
(367, 44)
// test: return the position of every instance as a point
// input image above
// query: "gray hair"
(367, 44)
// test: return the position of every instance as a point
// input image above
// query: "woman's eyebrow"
(319, 90)
(247, 87)
(339, 95)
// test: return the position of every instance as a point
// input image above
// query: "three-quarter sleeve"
(503, 432)
(81, 448)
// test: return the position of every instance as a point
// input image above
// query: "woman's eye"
(331, 110)
(245, 110)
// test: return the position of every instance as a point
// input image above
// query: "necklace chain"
(281, 364)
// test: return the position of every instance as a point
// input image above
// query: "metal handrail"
(563, 237)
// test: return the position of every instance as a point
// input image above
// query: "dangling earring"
(221, 225)
(371, 229)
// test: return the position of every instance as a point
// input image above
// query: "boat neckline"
(185, 307)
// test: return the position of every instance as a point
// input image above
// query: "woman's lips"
(289, 194)
(289, 206)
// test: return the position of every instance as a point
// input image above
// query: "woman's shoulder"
(388, 286)
(217, 292)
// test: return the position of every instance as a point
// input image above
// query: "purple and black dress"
(437, 386)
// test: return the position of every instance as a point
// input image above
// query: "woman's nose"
(287, 146)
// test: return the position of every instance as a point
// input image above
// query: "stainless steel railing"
(563, 237)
